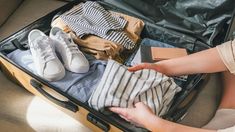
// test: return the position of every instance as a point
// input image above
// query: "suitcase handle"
(65, 104)
(18, 45)
(98, 122)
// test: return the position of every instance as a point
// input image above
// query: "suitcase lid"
(231, 30)
(205, 20)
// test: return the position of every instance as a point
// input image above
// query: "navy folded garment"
(77, 85)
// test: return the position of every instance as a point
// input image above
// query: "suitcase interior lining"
(150, 31)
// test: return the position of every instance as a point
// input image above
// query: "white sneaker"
(73, 58)
(47, 64)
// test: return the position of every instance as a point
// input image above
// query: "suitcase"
(91, 118)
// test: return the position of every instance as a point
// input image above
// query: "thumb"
(118, 110)
(138, 67)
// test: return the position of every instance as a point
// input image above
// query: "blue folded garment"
(78, 85)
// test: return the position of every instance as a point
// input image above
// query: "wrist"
(161, 67)
(151, 122)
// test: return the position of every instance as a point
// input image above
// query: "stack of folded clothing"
(104, 34)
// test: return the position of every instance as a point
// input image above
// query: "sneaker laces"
(43, 46)
(68, 43)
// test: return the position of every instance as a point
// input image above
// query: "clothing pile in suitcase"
(96, 82)
(83, 52)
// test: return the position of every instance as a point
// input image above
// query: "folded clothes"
(121, 88)
(91, 18)
(77, 85)
(103, 48)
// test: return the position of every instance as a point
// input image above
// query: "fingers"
(125, 118)
(143, 107)
(118, 110)
(134, 115)
(140, 104)
(122, 112)
(138, 67)
(142, 66)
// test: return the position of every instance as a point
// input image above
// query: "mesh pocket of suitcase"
(96, 120)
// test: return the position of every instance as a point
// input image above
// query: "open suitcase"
(165, 32)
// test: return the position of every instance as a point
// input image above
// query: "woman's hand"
(207, 61)
(143, 116)
(137, 115)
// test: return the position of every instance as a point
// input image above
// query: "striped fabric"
(91, 18)
(119, 87)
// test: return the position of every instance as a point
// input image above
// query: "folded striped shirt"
(121, 88)
(91, 18)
